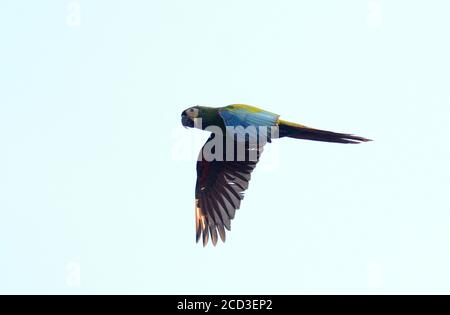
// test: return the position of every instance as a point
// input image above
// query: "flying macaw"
(221, 182)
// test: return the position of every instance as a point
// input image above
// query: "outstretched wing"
(220, 187)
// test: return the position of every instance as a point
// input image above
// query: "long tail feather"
(297, 131)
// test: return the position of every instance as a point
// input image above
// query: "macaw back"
(245, 115)
(247, 122)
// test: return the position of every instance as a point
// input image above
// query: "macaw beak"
(186, 121)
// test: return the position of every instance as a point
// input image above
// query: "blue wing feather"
(246, 116)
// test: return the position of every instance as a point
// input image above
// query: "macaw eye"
(192, 112)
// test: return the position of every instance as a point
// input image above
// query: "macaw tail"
(297, 131)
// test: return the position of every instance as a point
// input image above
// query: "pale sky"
(97, 175)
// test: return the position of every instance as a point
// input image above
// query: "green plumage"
(221, 182)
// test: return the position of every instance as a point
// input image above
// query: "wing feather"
(219, 190)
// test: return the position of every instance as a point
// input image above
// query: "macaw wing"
(219, 190)
(246, 120)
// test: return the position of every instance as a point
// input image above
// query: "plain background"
(97, 176)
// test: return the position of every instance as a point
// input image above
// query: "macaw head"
(189, 115)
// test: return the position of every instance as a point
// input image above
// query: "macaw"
(221, 182)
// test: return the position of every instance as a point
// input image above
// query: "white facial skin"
(192, 113)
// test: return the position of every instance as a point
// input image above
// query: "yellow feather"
(249, 108)
(292, 124)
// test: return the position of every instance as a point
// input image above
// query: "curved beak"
(186, 121)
